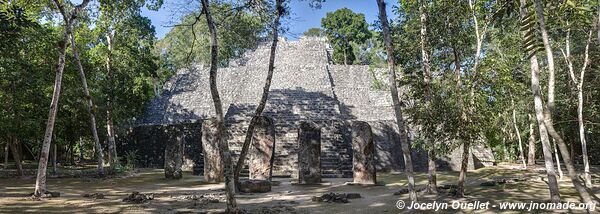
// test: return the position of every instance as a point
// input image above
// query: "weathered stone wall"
(150, 141)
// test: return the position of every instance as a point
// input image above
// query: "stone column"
(309, 153)
(363, 153)
(213, 162)
(173, 153)
(262, 150)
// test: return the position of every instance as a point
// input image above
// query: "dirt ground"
(183, 196)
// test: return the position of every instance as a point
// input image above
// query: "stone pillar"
(262, 150)
(309, 153)
(363, 153)
(213, 162)
(173, 153)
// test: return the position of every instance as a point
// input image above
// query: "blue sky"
(302, 16)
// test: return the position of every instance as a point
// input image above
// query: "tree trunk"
(586, 163)
(514, 117)
(531, 141)
(396, 101)
(470, 110)
(112, 150)
(6, 155)
(550, 107)
(431, 167)
(229, 181)
(90, 108)
(16, 152)
(80, 149)
(538, 106)
(504, 146)
(560, 172)
(40, 182)
(263, 100)
(579, 89)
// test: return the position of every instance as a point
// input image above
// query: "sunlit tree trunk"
(405, 144)
(90, 108)
(80, 149)
(504, 146)
(40, 182)
(469, 111)
(40, 186)
(515, 124)
(560, 172)
(110, 129)
(539, 113)
(531, 141)
(578, 81)
(586, 163)
(550, 107)
(224, 148)
(431, 169)
(263, 100)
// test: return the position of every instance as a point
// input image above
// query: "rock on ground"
(255, 186)
(336, 197)
(138, 198)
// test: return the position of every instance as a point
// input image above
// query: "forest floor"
(184, 195)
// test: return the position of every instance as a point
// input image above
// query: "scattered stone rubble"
(138, 198)
(93, 195)
(332, 197)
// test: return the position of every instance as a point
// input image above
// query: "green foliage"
(131, 158)
(344, 27)
(318, 32)
(184, 46)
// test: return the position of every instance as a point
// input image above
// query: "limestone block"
(363, 150)
(309, 153)
(174, 157)
(255, 186)
(262, 150)
(213, 162)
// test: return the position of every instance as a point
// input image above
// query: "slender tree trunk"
(16, 152)
(515, 124)
(586, 163)
(504, 146)
(465, 153)
(431, 169)
(6, 155)
(224, 148)
(579, 89)
(90, 108)
(560, 172)
(112, 150)
(539, 113)
(40, 186)
(535, 85)
(80, 149)
(550, 107)
(405, 144)
(263, 100)
(471, 108)
(531, 142)
(40, 183)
